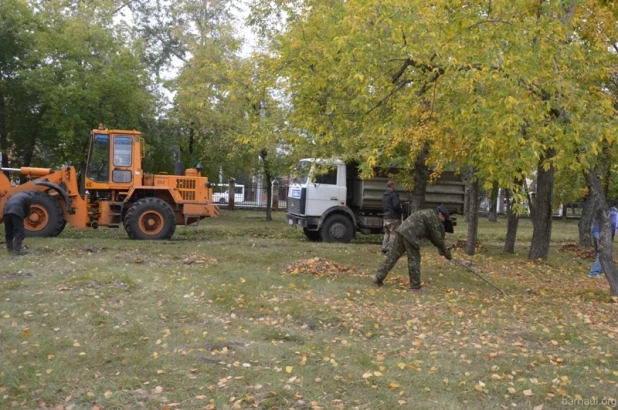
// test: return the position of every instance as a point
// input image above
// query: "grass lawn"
(237, 313)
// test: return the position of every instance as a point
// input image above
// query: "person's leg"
(386, 242)
(20, 234)
(9, 232)
(414, 266)
(596, 268)
(394, 225)
(391, 259)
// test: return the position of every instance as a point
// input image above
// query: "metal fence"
(251, 195)
(570, 210)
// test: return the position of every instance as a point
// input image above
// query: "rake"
(477, 274)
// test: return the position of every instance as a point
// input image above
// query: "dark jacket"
(424, 224)
(18, 204)
(392, 206)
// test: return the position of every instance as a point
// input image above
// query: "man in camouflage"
(427, 224)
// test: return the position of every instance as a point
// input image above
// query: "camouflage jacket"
(424, 224)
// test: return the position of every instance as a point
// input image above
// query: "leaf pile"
(582, 252)
(461, 244)
(320, 267)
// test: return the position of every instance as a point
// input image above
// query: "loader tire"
(150, 218)
(45, 218)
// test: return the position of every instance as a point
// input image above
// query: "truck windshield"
(301, 174)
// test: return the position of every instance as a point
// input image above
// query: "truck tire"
(150, 218)
(46, 218)
(337, 228)
(313, 236)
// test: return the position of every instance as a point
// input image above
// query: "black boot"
(17, 249)
(9, 245)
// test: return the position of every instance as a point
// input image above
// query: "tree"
(476, 77)
(16, 22)
(265, 135)
(70, 75)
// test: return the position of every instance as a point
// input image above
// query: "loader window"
(98, 166)
(122, 151)
(121, 175)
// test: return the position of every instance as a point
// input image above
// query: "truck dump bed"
(366, 195)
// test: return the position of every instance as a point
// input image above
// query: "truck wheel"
(222, 201)
(45, 218)
(337, 228)
(150, 218)
(313, 236)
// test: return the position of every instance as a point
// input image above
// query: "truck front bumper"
(297, 220)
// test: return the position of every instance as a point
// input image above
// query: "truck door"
(326, 191)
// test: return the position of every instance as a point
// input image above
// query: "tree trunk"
(28, 156)
(191, 141)
(4, 141)
(493, 204)
(421, 175)
(585, 221)
(473, 223)
(608, 176)
(511, 228)
(543, 208)
(605, 239)
(467, 203)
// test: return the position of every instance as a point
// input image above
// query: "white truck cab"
(317, 201)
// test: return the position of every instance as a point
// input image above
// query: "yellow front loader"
(113, 191)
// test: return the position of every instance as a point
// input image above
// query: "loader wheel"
(337, 228)
(45, 218)
(150, 218)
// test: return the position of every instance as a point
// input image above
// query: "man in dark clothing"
(15, 210)
(392, 216)
(421, 224)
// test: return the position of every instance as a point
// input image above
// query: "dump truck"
(112, 190)
(333, 206)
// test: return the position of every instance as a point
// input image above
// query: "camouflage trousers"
(399, 247)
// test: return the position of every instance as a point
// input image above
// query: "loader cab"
(114, 160)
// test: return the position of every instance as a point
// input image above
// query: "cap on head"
(442, 209)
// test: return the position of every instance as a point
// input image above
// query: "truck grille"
(294, 206)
